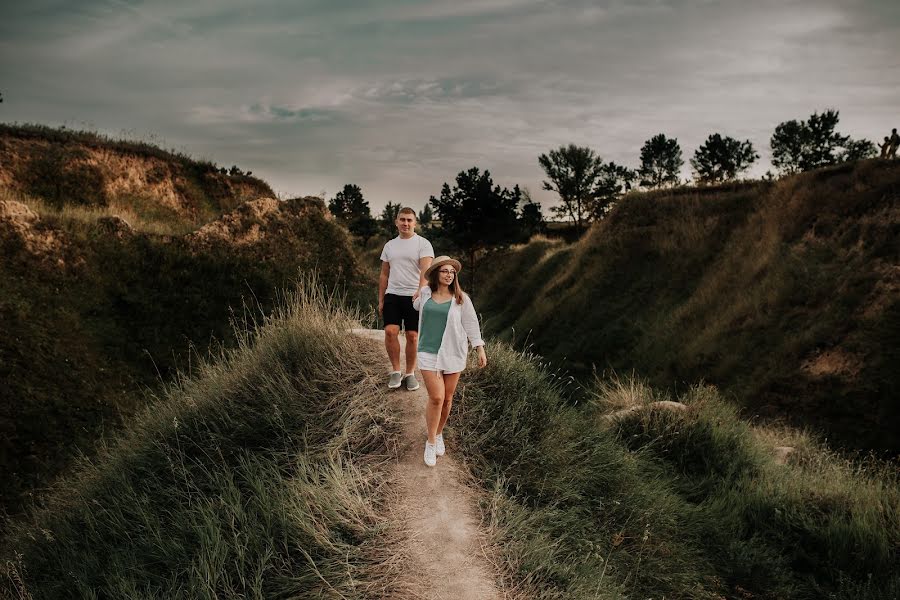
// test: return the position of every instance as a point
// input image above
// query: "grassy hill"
(783, 294)
(626, 495)
(260, 476)
(99, 303)
(139, 180)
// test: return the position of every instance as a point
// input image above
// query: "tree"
(722, 159)
(814, 143)
(387, 218)
(858, 150)
(614, 181)
(585, 184)
(349, 203)
(477, 215)
(426, 216)
(787, 146)
(661, 162)
(530, 216)
(364, 228)
(349, 207)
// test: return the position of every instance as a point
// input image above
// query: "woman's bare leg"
(450, 381)
(434, 383)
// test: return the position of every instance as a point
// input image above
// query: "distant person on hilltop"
(402, 262)
(895, 142)
(885, 147)
(447, 325)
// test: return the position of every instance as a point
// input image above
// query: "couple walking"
(422, 294)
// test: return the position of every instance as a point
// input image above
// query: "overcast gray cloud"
(398, 96)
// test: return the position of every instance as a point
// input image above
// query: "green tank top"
(434, 321)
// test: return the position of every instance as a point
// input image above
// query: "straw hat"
(440, 261)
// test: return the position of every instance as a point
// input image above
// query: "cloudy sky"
(398, 96)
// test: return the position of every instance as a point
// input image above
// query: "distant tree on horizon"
(805, 145)
(388, 216)
(426, 216)
(350, 207)
(661, 162)
(348, 203)
(585, 184)
(859, 150)
(614, 181)
(531, 217)
(721, 159)
(477, 215)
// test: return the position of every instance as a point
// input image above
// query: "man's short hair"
(406, 211)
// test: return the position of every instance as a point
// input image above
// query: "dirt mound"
(115, 226)
(256, 220)
(64, 167)
(20, 222)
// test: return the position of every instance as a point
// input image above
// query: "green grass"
(260, 476)
(667, 504)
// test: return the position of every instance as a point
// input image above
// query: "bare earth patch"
(833, 361)
(446, 549)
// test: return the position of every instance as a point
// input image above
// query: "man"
(404, 259)
(895, 142)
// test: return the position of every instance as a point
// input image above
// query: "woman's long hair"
(455, 288)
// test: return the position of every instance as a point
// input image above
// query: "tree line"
(476, 214)
(587, 186)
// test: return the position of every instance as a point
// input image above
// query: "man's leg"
(412, 343)
(392, 345)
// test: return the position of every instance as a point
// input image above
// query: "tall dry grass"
(258, 476)
(159, 224)
(667, 503)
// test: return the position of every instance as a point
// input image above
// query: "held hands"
(482, 358)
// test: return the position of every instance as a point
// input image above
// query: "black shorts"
(398, 310)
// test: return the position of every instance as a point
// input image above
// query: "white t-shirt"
(403, 256)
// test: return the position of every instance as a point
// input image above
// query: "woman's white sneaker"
(430, 455)
(439, 444)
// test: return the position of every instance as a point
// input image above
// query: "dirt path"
(444, 542)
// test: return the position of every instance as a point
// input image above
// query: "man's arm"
(424, 263)
(382, 285)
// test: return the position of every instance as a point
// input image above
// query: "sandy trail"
(444, 542)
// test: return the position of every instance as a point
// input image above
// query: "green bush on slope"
(254, 478)
(659, 503)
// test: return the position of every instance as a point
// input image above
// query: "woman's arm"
(470, 323)
(419, 299)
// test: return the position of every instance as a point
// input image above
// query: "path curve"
(445, 545)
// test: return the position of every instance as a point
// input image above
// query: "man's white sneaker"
(430, 456)
(411, 383)
(394, 381)
(439, 448)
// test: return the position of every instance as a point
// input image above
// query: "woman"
(447, 324)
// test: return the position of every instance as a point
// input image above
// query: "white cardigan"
(462, 326)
